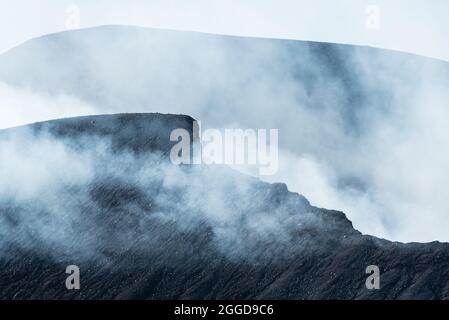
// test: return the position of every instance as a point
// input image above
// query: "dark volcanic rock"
(138, 133)
(141, 228)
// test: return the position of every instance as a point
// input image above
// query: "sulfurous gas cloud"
(91, 188)
(361, 130)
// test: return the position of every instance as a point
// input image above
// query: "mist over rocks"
(100, 193)
(362, 130)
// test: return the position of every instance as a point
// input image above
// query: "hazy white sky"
(416, 26)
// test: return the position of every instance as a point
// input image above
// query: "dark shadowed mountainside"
(139, 227)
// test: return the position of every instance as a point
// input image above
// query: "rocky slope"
(102, 195)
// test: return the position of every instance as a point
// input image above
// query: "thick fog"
(82, 198)
(361, 130)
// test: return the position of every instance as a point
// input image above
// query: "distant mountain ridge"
(134, 69)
